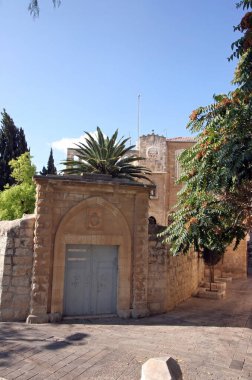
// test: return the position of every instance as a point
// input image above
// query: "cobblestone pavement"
(212, 340)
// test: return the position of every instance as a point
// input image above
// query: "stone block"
(20, 314)
(23, 260)
(21, 270)
(224, 279)
(139, 312)
(124, 313)
(165, 368)
(21, 300)
(6, 314)
(10, 243)
(27, 221)
(6, 298)
(23, 251)
(21, 281)
(155, 307)
(54, 317)
(214, 294)
(217, 285)
(20, 290)
(27, 232)
(26, 242)
(6, 280)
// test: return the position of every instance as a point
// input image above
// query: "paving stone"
(236, 364)
(205, 336)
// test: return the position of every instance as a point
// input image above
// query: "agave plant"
(104, 155)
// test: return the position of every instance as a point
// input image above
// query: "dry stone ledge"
(164, 368)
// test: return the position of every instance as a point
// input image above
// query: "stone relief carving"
(153, 153)
(94, 218)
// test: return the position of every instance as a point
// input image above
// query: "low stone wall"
(234, 263)
(16, 257)
(171, 279)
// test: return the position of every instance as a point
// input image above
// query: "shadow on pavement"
(235, 310)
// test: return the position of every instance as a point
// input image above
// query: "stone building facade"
(161, 156)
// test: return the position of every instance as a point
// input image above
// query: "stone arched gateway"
(93, 222)
(79, 213)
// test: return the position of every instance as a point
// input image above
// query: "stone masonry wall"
(16, 256)
(234, 263)
(172, 187)
(172, 279)
(117, 204)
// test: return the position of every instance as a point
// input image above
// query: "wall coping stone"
(92, 178)
(7, 225)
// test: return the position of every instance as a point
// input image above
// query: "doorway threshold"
(88, 316)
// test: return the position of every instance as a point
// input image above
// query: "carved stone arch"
(89, 202)
(108, 227)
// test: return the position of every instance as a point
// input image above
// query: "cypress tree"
(22, 144)
(12, 145)
(51, 169)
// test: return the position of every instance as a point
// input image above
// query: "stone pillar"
(43, 251)
(140, 258)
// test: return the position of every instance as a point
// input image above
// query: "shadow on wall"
(195, 312)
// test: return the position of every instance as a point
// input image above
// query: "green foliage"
(244, 4)
(12, 145)
(33, 7)
(22, 169)
(16, 201)
(202, 221)
(104, 155)
(214, 206)
(43, 171)
(19, 198)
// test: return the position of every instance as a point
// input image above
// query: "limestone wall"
(16, 256)
(174, 148)
(95, 210)
(234, 263)
(171, 279)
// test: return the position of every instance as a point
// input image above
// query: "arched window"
(152, 220)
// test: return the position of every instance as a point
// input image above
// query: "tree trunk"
(211, 271)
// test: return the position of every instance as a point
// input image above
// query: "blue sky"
(84, 64)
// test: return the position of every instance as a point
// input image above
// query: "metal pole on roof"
(138, 120)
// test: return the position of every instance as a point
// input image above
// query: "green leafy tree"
(12, 145)
(34, 7)
(214, 206)
(51, 169)
(104, 155)
(19, 198)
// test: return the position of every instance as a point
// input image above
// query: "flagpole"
(138, 120)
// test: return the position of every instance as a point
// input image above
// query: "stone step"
(213, 294)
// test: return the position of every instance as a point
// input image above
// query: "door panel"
(90, 280)
(104, 279)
